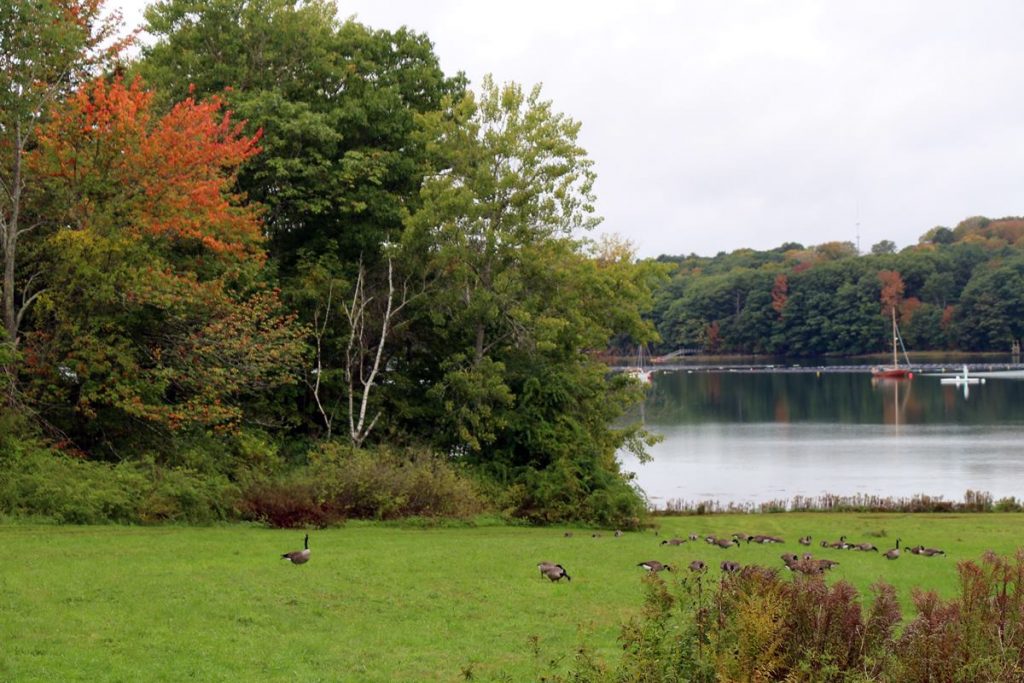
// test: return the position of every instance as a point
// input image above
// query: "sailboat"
(895, 371)
(639, 372)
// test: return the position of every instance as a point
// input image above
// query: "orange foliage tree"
(154, 308)
(892, 291)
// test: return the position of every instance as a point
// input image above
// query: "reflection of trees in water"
(849, 398)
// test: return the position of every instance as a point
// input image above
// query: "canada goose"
(894, 553)
(826, 564)
(673, 541)
(568, 534)
(726, 542)
(299, 556)
(654, 566)
(556, 573)
(929, 552)
(545, 566)
(841, 544)
(789, 557)
(617, 533)
(729, 566)
(805, 567)
(865, 547)
(808, 556)
(805, 540)
(741, 536)
(764, 539)
(711, 539)
(694, 537)
(698, 566)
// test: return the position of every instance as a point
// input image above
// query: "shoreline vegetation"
(973, 501)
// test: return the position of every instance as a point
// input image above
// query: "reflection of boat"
(895, 372)
(638, 371)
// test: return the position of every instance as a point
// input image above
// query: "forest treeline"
(277, 265)
(959, 289)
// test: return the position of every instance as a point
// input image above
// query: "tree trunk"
(10, 240)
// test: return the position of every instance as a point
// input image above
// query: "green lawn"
(381, 603)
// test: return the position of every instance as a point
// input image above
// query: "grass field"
(384, 603)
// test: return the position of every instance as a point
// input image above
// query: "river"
(742, 437)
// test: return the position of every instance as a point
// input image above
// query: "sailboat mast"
(895, 363)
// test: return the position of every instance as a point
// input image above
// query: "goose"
(894, 553)
(673, 541)
(726, 542)
(805, 567)
(545, 566)
(694, 537)
(764, 539)
(555, 573)
(789, 557)
(595, 535)
(929, 552)
(654, 566)
(841, 544)
(808, 556)
(698, 566)
(805, 540)
(729, 566)
(865, 547)
(741, 536)
(568, 534)
(826, 564)
(299, 556)
(617, 533)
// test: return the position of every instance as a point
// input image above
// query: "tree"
(337, 102)
(154, 312)
(46, 48)
(515, 306)
(991, 310)
(883, 247)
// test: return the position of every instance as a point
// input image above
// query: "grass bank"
(386, 603)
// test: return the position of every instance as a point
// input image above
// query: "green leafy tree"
(883, 247)
(991, 310)
(516, 304)
(336, 103)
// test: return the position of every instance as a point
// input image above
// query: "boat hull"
(892, 373)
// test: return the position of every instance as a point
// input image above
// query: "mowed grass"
(383, 603)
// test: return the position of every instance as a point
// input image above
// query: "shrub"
(342, 482)
(37, 481)
(288, 503)
(756, 626)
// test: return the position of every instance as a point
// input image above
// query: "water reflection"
(751, 437)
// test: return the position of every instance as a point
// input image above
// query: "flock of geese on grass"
(805, 563)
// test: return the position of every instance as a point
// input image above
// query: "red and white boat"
(895, 371)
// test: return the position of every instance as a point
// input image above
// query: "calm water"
(751, 437)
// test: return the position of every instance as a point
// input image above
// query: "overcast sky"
(718, 125)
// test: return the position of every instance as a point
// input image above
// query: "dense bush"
(759, 626)
(40, 482)
(341, 482)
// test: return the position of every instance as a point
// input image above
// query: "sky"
(719, 125)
